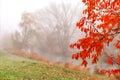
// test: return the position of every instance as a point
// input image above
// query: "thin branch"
(113, 59)
(114, 33)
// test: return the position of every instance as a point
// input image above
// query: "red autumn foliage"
(101, 24)
(110, 72)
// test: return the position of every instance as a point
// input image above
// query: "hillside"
(13, 67)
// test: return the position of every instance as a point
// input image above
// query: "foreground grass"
(23, 69)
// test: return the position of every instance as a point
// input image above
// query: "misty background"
(15, 13)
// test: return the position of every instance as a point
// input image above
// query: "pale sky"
(11, 10)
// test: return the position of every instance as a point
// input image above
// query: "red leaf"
(78, 46)
(84, 63)
(110, 61)
(81, 22)
(71, 45)
(76, 56)
(118, 44)
(83, 54)
(73, 56)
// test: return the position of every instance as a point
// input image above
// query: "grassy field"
(13, 67)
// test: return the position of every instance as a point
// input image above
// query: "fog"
(11, 11)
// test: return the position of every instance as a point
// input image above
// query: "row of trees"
(48, 30)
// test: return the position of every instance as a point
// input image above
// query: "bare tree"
(23, 38)
(57, 23)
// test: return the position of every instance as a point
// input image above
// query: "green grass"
(25, 69)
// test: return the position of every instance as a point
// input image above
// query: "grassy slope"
(17, 68)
